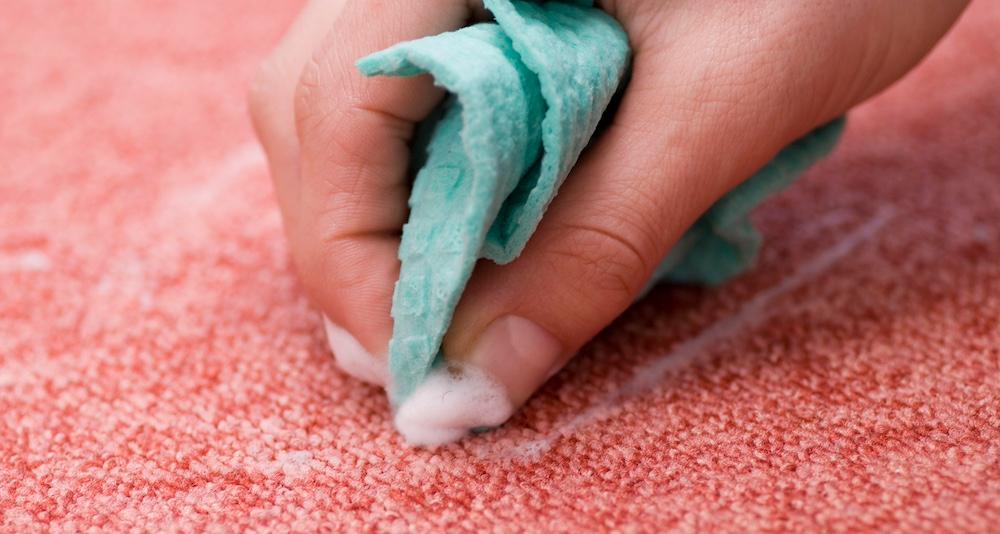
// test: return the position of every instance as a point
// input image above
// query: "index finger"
(353, 133)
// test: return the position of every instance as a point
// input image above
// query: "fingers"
(272, 93)
(350, 202)
(336, 144)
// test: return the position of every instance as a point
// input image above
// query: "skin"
(718, 89)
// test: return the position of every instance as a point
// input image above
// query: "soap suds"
(452, 401)
(353, 358)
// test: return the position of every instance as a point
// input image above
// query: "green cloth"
(527, 93)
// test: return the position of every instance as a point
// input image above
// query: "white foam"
(353, 358)
(451, 402)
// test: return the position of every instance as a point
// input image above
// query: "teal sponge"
(527, 93)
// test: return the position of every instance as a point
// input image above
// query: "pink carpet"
(160, 368)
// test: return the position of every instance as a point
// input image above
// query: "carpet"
(160, 368)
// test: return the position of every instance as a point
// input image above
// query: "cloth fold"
(527, 93)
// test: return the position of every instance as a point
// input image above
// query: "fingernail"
(519, 354)
(452, 401)
(352, 357)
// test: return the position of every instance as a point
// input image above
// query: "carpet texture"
(160, 368)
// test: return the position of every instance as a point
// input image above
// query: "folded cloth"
(527, 93)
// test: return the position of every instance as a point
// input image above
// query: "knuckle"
(316, 96)
(604, 255)
(323, 114)
(331, 266)
(305, 94)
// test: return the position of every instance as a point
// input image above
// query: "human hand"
(717, 89)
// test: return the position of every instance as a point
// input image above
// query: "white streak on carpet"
(26, 261)
(752, 313)
(235, 165)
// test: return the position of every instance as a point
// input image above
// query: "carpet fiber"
(160, 368)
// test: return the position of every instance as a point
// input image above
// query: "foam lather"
(526, 94)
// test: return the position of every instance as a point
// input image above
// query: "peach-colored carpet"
(161, 370)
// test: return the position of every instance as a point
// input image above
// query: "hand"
(717, 89)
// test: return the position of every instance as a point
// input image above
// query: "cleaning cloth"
(526, 94)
